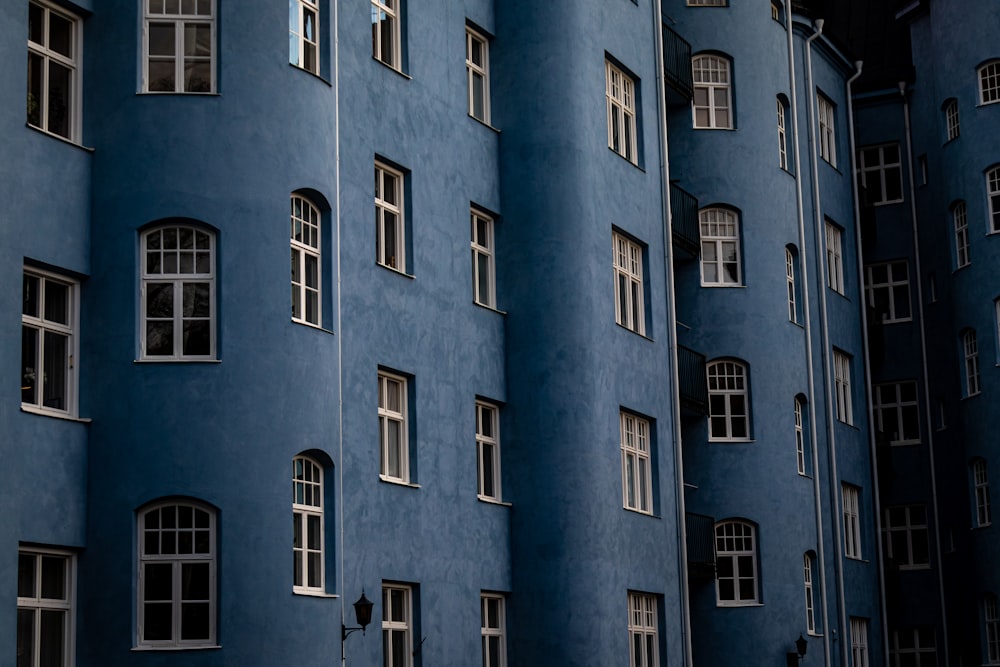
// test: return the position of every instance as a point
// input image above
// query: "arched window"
(993, 192)
(736, 563)
(989, 82)
(781, 103)
(800, 436)
(712, 101)
(728, 401)
(970, 353)
(177, 563)
(791, 272)
(720, 247)
(961, 224)
(307, 511)
(178, 293)
(951, 118)
(808, 577)
(991, 620)
(981, 488)
(306, 261)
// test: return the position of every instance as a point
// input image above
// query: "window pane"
(194, 620)
(197, 77)
(35, 65)
(53, 577)
(29, 360)
(54, 384)
(25, 635)
(56, 302)
(158, 582)
(197, 338)
(59, 99)
(195, 581)
(196, 300)
(161, 39)
(60, 35)
(159, 338)
(52, 638)
(26, 575)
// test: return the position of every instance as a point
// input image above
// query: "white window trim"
(991, 622)
(37, 603)
(308, 224)
(961, 222)
(483, 252)
(180, 20)
(807, 578)
(981, 486)
(405, 626)
(302, 40)
(782, 135)
(629, 298)
(619, 90)
(923, 655)
(391, 10)
(721, 68)
(733, 373)
(488, 446)
(800, 447)
(988, 76)
(496, 633)
(70, 330)
(859, 642)
(826, 115)
(834, 258)
(842, 386)
(897, 278)
(642, 630)
(637, 465)
(880, 169)
(850, 501)
(952, 119)
(793, 315)
(970, 349)
(888, 405)
(311, 479)
(383, 207)
(482, 70)
(993, 197)
(912, 529)
(401, 417)
(73, 63)
(747, 532)
(719, 229)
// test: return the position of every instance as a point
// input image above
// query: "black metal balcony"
(684, 220)
(700, 545)
(677, 68)
(693, 386)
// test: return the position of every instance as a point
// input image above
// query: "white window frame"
(877, 169)
(203, 245)
(728, 384)
(721, 264)
(970, 350)
(713, 92)
(850, 498)
(642, 630)
(202, 17)
(807, 578)
(478, 74)
(387, 384)
(981, 486)
(736, 545)
(386, 11)
(989, 82)
(993, 196)
(834, 258)
(620, 91)
(493, 629)
(303, 36)
(389, 218)
(906, 522)
(177, 563)
(896, 411)
(33, 603)
(49, 58)
(891, 289)
(637, 464)
(707, 3)
(826, 115)
(800, 441)
(488, 451)
(42, 328)
(859, 642)
(922, 655)
(842, 386)
(991, 621)
(483, 264)
(630, 309)
(961, 223)
(307, 261)
(309, 572)
(782, 135)
(397, 617)
(952, 119)
(793, 315)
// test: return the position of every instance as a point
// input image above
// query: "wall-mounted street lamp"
(792, 659)
(363, 614)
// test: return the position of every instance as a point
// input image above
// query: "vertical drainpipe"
(674, 379)
(807, 323)
(923, 360)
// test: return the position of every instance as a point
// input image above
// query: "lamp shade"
(363, 610)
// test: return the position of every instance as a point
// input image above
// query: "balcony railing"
(693, 386)
(684, 220)
(677, 67)
(700, 544)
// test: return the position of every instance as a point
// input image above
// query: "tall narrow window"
(970, 349)
(881, 173)
(993, 192)
(620, 94)
(851, 500)
(859, 642)
(736, 563)
(178, 293)
(961, 223)
(494, 631)
(712, 101)
(303, 34)
(782, 136)
(305, 224)
(179, 42)
(48, 343)
(176, 576)
(800, 441)
(397, 625)
(728, 404)
(887, 287)
(807, 576)
(981, 483)
(629, 310)
(385, 32)
(53, 70)
(951, 118)
(720, 247)
(477, 68)
(394, 463)
(642, 630)
(834, 258)
(842, 387)
(45, 586)
(307, 512)
(488, 450)
(989, 82)
(483, 273)
(390, 241)
(991, 620)
(894, 406)
(793, 315)
(637, 485)
(827, 137)
(906, 540)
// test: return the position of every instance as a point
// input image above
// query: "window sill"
(393, 69)
(915, 568)
(493, 501)
(722, 129)
(640, 335)
(176, 361)
(314, 594)
(889, 203)
(631, 162)
(30, 409)
(496, 310)
(641, 513)
(398, 482)
(315, 75)
(485, 124)
(176, 648)
(60, 138)
(980, 527)
(314, 326)
(969, 396)
(176, 93)
(395, 270)
(724, 285)
(738, 605)
(744, 441)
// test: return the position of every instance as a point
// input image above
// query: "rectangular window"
(790, 284)
(303, 34)
(477, 67)
(45, 588)
(483, 272)
(913, 647)
(851, 499)
(397, 625)
(394, 459)
(961, 223)
(54, 70)
(970, 349)
(993, 192)
(991, 618)
(800, 445)
(881, 173)
(620, 93)
(385, 32)
(859, 642)
(179, 46)
(629, 310)
(782, 136)
(894, 406)
(493, 615)
(637, 486)
(887, 287)
(642, 627)
(48, 343)
(720, 247)
(390, 228)
(981, 484)
(951, 119)
(807, 577)
(906, 541)
(834, 258)
(842, 386)
(488, 450)
(827, 138)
